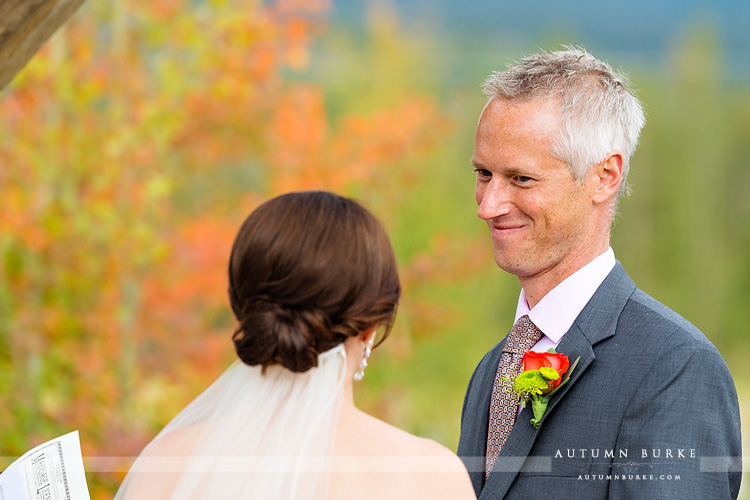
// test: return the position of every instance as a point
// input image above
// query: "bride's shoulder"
(363, 433)
(416, 467)
(398, 440)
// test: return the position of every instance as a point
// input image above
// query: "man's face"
(540, 218)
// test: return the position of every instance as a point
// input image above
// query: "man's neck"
(537, 286)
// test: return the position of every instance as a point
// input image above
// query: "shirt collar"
(556, 312)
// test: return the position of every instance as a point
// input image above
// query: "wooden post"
(24, 27)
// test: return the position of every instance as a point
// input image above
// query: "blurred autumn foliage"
(132, 147)
(136, 142)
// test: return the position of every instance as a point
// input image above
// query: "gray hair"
(598, 111)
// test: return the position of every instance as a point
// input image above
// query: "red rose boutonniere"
(543, 373)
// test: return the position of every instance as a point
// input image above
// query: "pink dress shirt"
(555, 313)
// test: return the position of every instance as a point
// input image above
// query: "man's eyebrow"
(506, 171)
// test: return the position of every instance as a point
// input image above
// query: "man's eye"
(522, 179)
(481, 172)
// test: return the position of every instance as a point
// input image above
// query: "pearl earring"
(360, 374)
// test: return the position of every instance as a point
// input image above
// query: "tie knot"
(522, 336)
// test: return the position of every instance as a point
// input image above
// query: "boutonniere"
(543, 373)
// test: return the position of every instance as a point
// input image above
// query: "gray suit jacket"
(650, 412)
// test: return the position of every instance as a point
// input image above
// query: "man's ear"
(607, 177)
(368, 334)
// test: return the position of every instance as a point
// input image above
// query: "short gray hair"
(598, 111)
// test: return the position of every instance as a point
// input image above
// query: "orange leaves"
(296, 32)
(297, 35)
(130, 151)
(262, 63)
(307, 6)
(235, 86)
(195, 268)
(410, 127)
(164, 10)
(16, 221)
(307, 155)
(298, 140)
(184, 311)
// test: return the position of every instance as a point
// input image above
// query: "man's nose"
(493, 199)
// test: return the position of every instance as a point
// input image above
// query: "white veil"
(249, 435)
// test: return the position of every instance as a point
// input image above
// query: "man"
(650, 411)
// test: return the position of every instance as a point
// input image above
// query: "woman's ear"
(368, 334)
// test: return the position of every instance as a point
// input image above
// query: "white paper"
(51, 471)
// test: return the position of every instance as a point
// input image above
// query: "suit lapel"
(521, 439)
(596, 322)
(575, 345)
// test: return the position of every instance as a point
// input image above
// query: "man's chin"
(511, 266)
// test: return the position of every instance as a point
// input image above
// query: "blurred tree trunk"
(24, 27)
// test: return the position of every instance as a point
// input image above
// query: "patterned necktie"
(504, 402)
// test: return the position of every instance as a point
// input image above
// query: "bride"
(312, 278)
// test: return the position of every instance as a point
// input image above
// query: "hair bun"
(307, 271)
(271, 333)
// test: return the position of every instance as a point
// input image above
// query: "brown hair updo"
(308, 270)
